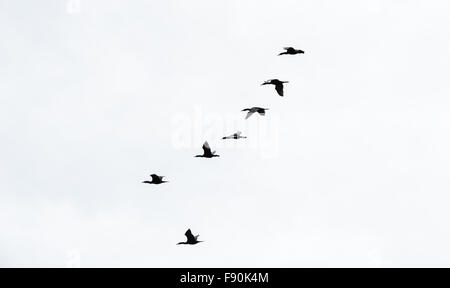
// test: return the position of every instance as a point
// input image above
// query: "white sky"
(350, 168)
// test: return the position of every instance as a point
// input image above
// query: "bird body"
(251, 111)
(155, 180)
(278, 85)
(291, 51)
(236, 135)
(191, 239)
(207, 153)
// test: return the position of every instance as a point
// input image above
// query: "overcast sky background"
(350, 168)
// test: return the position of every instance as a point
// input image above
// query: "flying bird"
(251, 111)
(278, 85)
(207, 151)
(236, 135)
(291, 51)
(155, 180)
(191, 239)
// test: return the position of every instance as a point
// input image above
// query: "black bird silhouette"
(207, 152)
(278, 85)
(259, 110)
(291, 51)
(191, 239)
(155, 180)
(236, 135)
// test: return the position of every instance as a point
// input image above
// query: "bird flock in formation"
(207, 153)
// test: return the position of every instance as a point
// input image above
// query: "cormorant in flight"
(191, 239)
(278, 85)
(207, 151)
(259, 110)
(155, 180)
(291, 51)
(236, 135)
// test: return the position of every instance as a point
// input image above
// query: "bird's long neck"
(181, 243)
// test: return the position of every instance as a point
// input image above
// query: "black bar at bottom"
(221, 277)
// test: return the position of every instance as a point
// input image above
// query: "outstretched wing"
(206, 149)
(250, 113)
(279, 88)
(189, 236)
(238, 133)
(155, 177)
